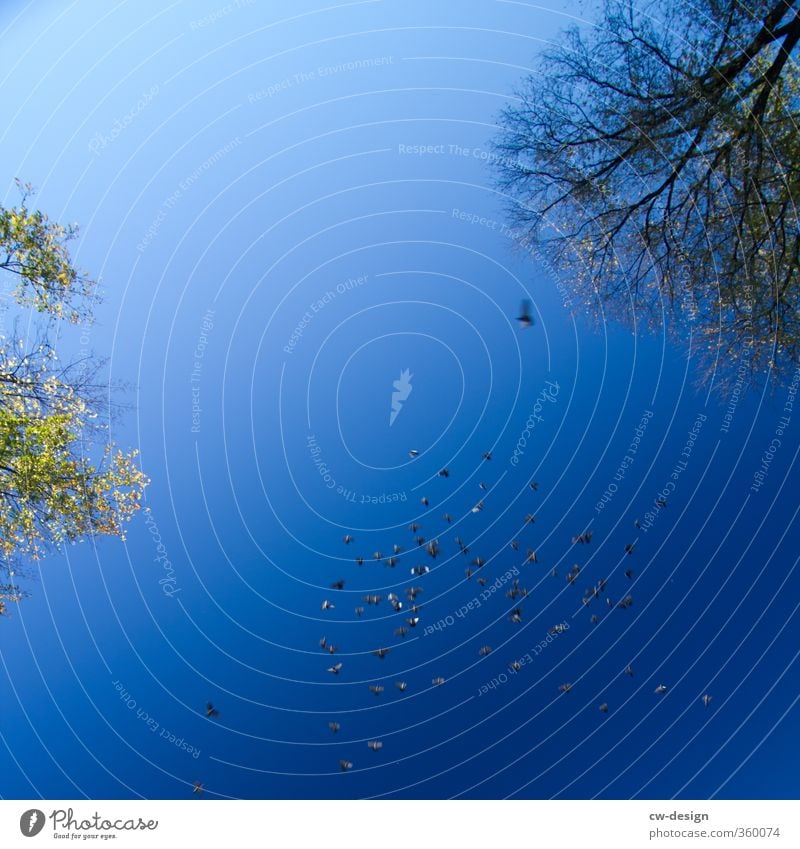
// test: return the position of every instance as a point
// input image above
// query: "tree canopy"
(61, 478)
(656, 159)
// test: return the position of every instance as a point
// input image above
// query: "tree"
(61, 478)
(656, 160)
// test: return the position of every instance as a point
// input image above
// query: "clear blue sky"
(232, 166)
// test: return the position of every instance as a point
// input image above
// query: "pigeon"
(594, 619)
(483, 651)
(564, 688)
(211, 711)
(359, 561)
(604, 708)
(335, 669)
(377, 555)
(391, 562)
(420, 570)
(414, 527)
(483, 486)
(479, 562)
(424, 501)
(515, 544)
(381, 653)
(626, 602)
(401, 686)
(637, 524)
(413, 592)
(396, 548)
(515, 665)
(661, 689)
(197, 787)
(437, 682)
(534, 485)
(478, 507)
(413, 453)
(359, 611)
(345, 765)
(413, 621)
(629, 547)
(532, 558)
(323, 643)
(661, 502)
(401, 631)
(448, 518)
(420, 540)
(516, 616)
(487, 455)
(525, 318)
(377, 689)
(338, 585)
(629, 573)
(375, 745)
(347, 539)
(582, 539)
(433, 548)
(444, 473)
(327, 605)
(332, 649)
(373, 599)
(706, 700)
(629, 671)
(530, 519)
(334, 726)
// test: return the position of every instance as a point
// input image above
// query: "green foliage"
(61, 478)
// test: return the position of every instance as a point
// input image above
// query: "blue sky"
(288, 205)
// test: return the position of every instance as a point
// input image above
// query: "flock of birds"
(408, 607)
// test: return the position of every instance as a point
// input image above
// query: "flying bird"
(211, 711)
(525, 318)
(345, 765)
(629, 671)
(437, 682)
(197, 787)
(604, 708)
(401, 686)
(377, 689)
(424, 501)
(444, 473)
(334, 726)
(413, 453)
(706, 700)
(338, 585)
(661, 689)
(347, 539)
(381, 653)
(335, 669)
(487, 455)
(448, 518)
(327, 605)
(483, 651)
(478, 507)
(375, 745)
(565, 688)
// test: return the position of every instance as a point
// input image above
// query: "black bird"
(525, 318)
